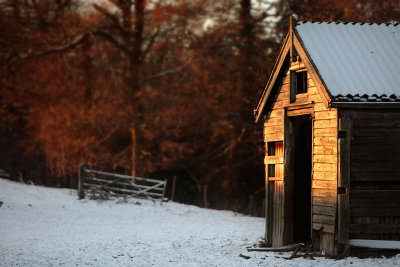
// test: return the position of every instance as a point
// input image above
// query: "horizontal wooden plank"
(273, 137)
(371, 114)
(324, 210)
(377, 169)
(325, 114)
(322, 141)
(329, 123)
(314, 98)
(275, 178)
(375, 212)
(324, 167)
(283, 96)
(312, 90)
(324, 219)
(367, 122)
(273, 160)
(326, 193)
(273, 129)
(276, 113)
(374, 228)
(386, 152)
(321, 132)
(374, 194)
(298, 112)
(325, 158)
(321, 106)
(377, 131)
(325, 175)
(325, 150)
(274, 121)
(330, 184)
(280, 104)
(323, 201)
(328, 228)
(301, 97)
(375, 203)
(297, 66)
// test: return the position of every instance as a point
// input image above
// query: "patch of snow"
(47, 227)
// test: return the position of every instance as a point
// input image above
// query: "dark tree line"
(161, 87)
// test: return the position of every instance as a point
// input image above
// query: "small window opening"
(275, 149)
(271, 148)
(271, 170)
(301, 82)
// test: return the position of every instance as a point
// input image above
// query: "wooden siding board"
(375, 174)
(324, 161)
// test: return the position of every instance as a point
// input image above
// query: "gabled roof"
(355, 60)
(352, 62)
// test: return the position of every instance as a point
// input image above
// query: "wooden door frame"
(291, 111)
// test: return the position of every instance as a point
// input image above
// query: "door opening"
(302, 156)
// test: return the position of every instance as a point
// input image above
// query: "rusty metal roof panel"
(356, 61)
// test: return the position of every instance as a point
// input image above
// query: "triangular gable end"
(292, 42)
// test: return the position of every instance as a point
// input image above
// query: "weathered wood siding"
(324, 153)
(374, 174)
(324, 176)
(274, 131)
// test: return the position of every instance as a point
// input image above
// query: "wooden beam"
(345, 125)
(275, 72)
(374, 228)
(273, 159)
(298, 112)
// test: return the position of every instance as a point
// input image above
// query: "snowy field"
(49, 227)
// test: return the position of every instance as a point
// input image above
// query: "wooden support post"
(251, 205)
(205, 196)
(268, 211)
(345, 136)
(81, 177)
(173, 188)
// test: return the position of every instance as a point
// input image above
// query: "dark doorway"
(302, 126)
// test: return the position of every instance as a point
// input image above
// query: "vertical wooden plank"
(292, 94)
(81, 174)
(278, 211)
(268, 214)
(173, 188)
(205, 197)
(345, 135)
(288, 182)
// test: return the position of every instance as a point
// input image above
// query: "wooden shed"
(331, 114)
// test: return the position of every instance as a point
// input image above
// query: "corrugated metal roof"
(356, 61)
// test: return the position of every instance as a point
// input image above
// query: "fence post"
(251, 205)
(173, 188)
(205, 196)
(81, 174)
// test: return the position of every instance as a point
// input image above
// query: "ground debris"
(244, 256)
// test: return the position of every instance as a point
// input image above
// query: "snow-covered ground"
(47, 227)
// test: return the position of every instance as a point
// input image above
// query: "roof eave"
(365, 104)
(272, 78)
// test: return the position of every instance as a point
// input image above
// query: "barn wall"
(374, 174)
(324, 174)
(324, 152)
(274, 131)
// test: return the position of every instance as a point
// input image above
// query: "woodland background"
(153, 88)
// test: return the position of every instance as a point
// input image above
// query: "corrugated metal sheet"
(357, 62)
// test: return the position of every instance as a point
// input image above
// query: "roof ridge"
(351, 22)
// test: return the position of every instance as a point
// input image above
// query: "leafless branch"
(59, 49)
(168, 72)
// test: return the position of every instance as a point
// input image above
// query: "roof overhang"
(365, 105)
(272, 78)
(292, 41)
